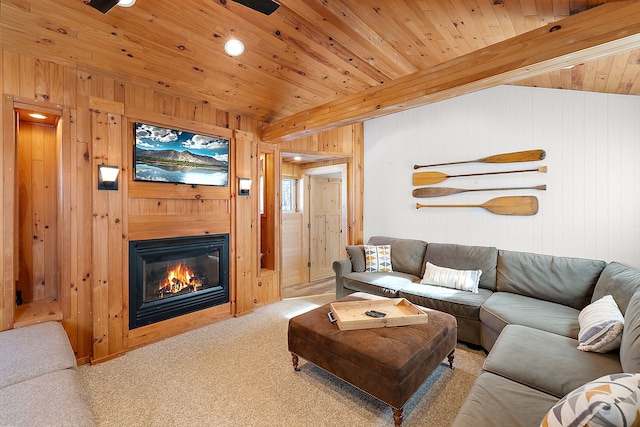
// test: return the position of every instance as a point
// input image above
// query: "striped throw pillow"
(601, 324)
(377, 258)
(464, 280)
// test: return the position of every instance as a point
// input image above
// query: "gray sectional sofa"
(38, 381)
(525, 314)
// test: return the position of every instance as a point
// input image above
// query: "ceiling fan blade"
(103, 6)
(263, 6)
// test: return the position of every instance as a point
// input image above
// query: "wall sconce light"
(244, 186)
(108, 177)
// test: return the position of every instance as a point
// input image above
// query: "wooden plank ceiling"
(307, 53)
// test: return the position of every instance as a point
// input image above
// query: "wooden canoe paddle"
(518, 156)
(508, 205)
(428, 178)
(448, 191)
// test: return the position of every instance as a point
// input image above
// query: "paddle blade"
(428, 178)
(436, 191)
(513, 205)
(519, 156)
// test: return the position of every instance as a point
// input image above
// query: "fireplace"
(172, 277)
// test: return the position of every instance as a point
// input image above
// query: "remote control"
(374, 313)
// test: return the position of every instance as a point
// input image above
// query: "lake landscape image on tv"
(175, 156)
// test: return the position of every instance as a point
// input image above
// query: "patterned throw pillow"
(601, 324)
(612, 400)
(377, 258)
(463, 280)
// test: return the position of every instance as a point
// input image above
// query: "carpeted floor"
(238, 372)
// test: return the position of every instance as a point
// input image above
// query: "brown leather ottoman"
(390, 364)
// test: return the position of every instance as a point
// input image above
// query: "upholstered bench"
(38, 381)
(388, 363)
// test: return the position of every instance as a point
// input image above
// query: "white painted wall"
(591, 208)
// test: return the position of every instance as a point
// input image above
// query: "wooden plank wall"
(96, 126)
(294, 270)
(347, 141)
(37, 208)
(96, 282)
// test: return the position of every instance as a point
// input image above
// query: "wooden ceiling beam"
(604, 30)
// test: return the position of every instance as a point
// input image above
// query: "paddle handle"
(428, 178)
(540, 169)
(448, 191)
(420, 205)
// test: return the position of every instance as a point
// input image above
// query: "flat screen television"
(176, 156)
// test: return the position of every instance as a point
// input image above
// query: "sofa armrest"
(342, 267)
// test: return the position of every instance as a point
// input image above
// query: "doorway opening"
(37, 206)
(315, 235)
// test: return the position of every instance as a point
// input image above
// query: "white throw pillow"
(464, 280)
(377, 258)
(612, 400)
(601, 324)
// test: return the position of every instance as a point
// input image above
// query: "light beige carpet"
(238, 372)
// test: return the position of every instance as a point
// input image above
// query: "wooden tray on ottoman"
(399, 312)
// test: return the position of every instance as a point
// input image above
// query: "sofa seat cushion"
(547, 362)
(54, 398)
(497, 401)
(453, 301)
(383, 284)
(43, 348)
(504, 308)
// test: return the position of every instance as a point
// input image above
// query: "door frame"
(324, 170)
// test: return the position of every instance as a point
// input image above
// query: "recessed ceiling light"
(234, 47)
(37, 116)
(126, 3)
(297, 158)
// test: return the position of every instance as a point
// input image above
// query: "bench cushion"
(54, 398)
(43, 348)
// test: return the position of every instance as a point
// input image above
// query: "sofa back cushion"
(567, 281)
(619, 281)
(630, 346)
(356, 255)
(407, 255)
(461, 257)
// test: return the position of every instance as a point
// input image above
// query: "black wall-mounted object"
(103, 6)
(263, 6)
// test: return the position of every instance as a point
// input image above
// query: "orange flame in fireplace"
(178, 279)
